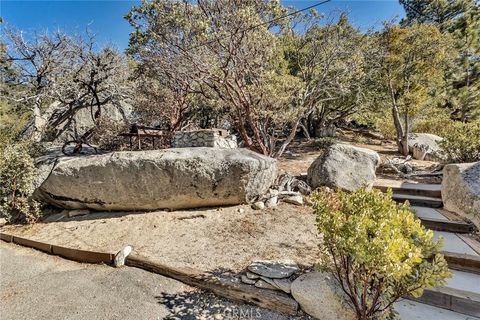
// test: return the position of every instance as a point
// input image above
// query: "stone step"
(454, 243)
(466, 281)
(462, 261)
(414, 310)
(428, 213)
(419, 200)
(436, 220)
(410, 188)
(449, 226)
(460, 294)
(452, 299)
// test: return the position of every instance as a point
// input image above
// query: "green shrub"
(17, 176)
(322, 143)
(384, 124)
(435, 122)
(461, 142)
(376, 249)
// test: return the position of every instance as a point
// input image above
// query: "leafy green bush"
(384, 124)
(461, 142)
(434, 121)
(376, 249)
(17, 176)
(322, 143)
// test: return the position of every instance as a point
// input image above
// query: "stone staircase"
(461, 295)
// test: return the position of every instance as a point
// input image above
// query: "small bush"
(106, 134)
(17, 176)
(384, 124)
(322, 143)
(376, 249)
(434, 122)
(461, 142)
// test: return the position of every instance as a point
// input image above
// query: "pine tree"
(459, 19)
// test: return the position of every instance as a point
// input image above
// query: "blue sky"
(105, 17)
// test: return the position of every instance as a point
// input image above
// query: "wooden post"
(225, 287)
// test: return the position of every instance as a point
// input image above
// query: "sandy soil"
(206, 239)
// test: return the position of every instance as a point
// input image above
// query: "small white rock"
(259, 205)
(272, 202)
(121, 255)
(296, 200)
(273, 192)
(241, 210)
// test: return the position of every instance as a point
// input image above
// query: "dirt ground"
(206, 239)
(211, 238)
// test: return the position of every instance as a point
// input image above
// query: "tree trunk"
(288, 139)
(38, 123)
(404, 141)
(305, 130)
(401, 133)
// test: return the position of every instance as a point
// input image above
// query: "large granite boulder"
(461, 190)
(424, 146)
(319, 296)
(345, 167)
(156, 179)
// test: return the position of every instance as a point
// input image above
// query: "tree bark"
(305, 130)
(404, 141)
(289, 139)
(38, 122)
(402, 133)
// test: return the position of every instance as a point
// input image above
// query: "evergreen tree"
(459, 19)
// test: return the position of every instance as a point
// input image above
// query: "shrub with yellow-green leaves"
(461, 142)
(17, 176)
(376, 249)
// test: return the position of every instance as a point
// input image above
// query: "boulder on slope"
(344, 166)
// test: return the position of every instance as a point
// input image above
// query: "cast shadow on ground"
(198, 304)
(56, 215)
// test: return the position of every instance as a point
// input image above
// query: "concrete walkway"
(34, 285)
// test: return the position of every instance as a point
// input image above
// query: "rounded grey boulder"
(345, 167)
(158, 179)
(425, 146)
(319, 296)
